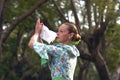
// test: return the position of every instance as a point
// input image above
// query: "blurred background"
(98, 23)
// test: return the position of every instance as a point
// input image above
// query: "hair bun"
(77, 37)
(76, 40)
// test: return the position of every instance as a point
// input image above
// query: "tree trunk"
(94, 47)
(100, 65)
(0, 50)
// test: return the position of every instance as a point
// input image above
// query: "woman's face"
(63, 35)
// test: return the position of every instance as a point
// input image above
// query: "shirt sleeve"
(43, 50)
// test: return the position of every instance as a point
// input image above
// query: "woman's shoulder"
(72, 49)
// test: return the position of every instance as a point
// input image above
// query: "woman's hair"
(73, 29)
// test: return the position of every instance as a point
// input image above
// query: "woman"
(62, 56)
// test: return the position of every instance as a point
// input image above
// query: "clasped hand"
(38, 29)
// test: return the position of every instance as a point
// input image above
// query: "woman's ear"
(71, 35)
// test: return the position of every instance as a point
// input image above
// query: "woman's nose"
(57, 33)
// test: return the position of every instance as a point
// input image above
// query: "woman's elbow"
(30, 44)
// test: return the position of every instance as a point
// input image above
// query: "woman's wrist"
(36, 36)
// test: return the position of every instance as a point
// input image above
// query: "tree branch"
(84, 55)
(46, 22)
(59, 11)
(2, 7)
(20, 18)
(75, 15)
(88, 7)
(95, 16)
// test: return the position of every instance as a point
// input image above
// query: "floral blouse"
(61, 58)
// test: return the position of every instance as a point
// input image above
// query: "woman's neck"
(67, 43)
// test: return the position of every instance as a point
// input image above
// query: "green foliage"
(20, 62)
(113, 49)
(113, 56)
(27, 66)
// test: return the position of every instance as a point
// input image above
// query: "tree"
(4, 34)
(95, 20)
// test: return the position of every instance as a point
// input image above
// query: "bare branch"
(88, 7)
(83, 54)
(2, 7)
(75, 15)
(59, 11)
(86, 56)
(95, 16)
(46, 22)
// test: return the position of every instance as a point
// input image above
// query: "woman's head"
(67, 33)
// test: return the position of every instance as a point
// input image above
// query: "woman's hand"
(38, 27)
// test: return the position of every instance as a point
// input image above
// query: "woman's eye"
(61, 31)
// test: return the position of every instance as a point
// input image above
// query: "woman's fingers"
(38, 27)
(37, 22)
(38, 30)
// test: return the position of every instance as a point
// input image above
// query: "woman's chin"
(58, 40)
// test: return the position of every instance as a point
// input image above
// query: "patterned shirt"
(61, 58)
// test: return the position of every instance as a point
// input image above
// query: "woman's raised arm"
(38, 29)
